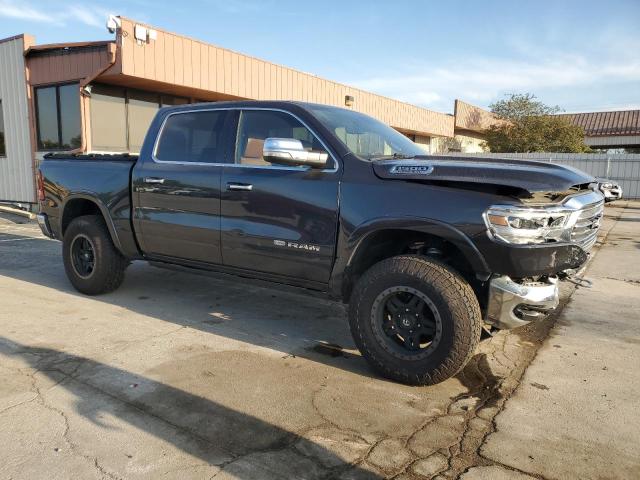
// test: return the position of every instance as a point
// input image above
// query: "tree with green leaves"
(531, 126)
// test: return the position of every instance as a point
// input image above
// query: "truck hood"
(524, 175)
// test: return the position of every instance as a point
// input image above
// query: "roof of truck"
(252, 103)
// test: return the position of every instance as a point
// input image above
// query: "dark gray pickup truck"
(426, 250)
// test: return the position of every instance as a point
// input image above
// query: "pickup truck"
(427, 251)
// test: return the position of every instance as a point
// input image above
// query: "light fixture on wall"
(113, 23)
(86, 90)
(144, 34)
(140, 33)
(348, 100)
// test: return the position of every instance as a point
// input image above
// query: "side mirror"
(289, 151)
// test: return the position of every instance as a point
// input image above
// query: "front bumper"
(513, 304)
(43, 221)
(519, 261)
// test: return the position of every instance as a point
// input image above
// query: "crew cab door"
(277, 219)
(176, 189)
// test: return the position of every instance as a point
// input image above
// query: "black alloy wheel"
(83, 256)
(91, 261)
(414, 319)
(407, 322)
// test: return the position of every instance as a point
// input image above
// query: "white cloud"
(22, 11)
(483, 79)
(90, 17)
(86, 14)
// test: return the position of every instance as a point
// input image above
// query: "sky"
(580, 55)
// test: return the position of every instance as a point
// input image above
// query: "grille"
(585, 230)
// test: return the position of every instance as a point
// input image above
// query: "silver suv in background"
(610, 189)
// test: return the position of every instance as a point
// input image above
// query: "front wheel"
(415, 320)
(91, 261)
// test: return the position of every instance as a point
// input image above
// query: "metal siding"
(612, 140)
(16, 171)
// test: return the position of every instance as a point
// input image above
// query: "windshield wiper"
(395, 156)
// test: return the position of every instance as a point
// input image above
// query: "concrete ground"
(185, 376)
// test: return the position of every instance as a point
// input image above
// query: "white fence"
(623, 168)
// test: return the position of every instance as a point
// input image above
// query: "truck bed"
(102, 179)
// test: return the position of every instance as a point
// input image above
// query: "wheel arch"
(384, 238)
(81, 204)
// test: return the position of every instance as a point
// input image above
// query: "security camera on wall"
(113, 23)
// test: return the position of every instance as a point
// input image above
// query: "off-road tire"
(108, 272)
(455, 301)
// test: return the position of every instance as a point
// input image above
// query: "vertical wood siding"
(66, 67)
(16, 169)
(190, 63)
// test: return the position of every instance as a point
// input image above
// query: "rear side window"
(193, 137)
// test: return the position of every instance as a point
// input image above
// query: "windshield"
(366, 137)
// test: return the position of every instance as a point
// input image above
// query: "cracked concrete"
(189, 376)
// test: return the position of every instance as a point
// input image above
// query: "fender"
(350, 244)
(122, 245)
(83, 195)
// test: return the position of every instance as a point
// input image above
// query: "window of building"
(142, 107)
(193, 137)
(58, 117)
(3, 149)
(257, 125)
(120, 117)
(169, 100)
(108, 119)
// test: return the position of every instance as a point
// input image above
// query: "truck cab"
(203, 193)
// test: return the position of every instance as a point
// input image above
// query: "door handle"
(153, 180)
(246, 187)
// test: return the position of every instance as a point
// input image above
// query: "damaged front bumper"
(512, 304)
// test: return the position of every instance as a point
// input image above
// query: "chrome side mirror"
(289, 151)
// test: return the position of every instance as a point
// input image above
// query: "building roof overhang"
(612, 123)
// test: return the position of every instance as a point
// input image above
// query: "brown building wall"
(172, 64)
(57, 66)
(472, 118)
(71, 62)
(182, 63)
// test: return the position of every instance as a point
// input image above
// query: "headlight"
(527, 225)
(606, 185)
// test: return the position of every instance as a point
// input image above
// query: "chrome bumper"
(514, 304)
(43, 221)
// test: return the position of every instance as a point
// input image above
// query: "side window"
(257, 125)
(193, 137)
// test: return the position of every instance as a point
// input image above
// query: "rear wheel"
(91, 261)
(415, 320)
